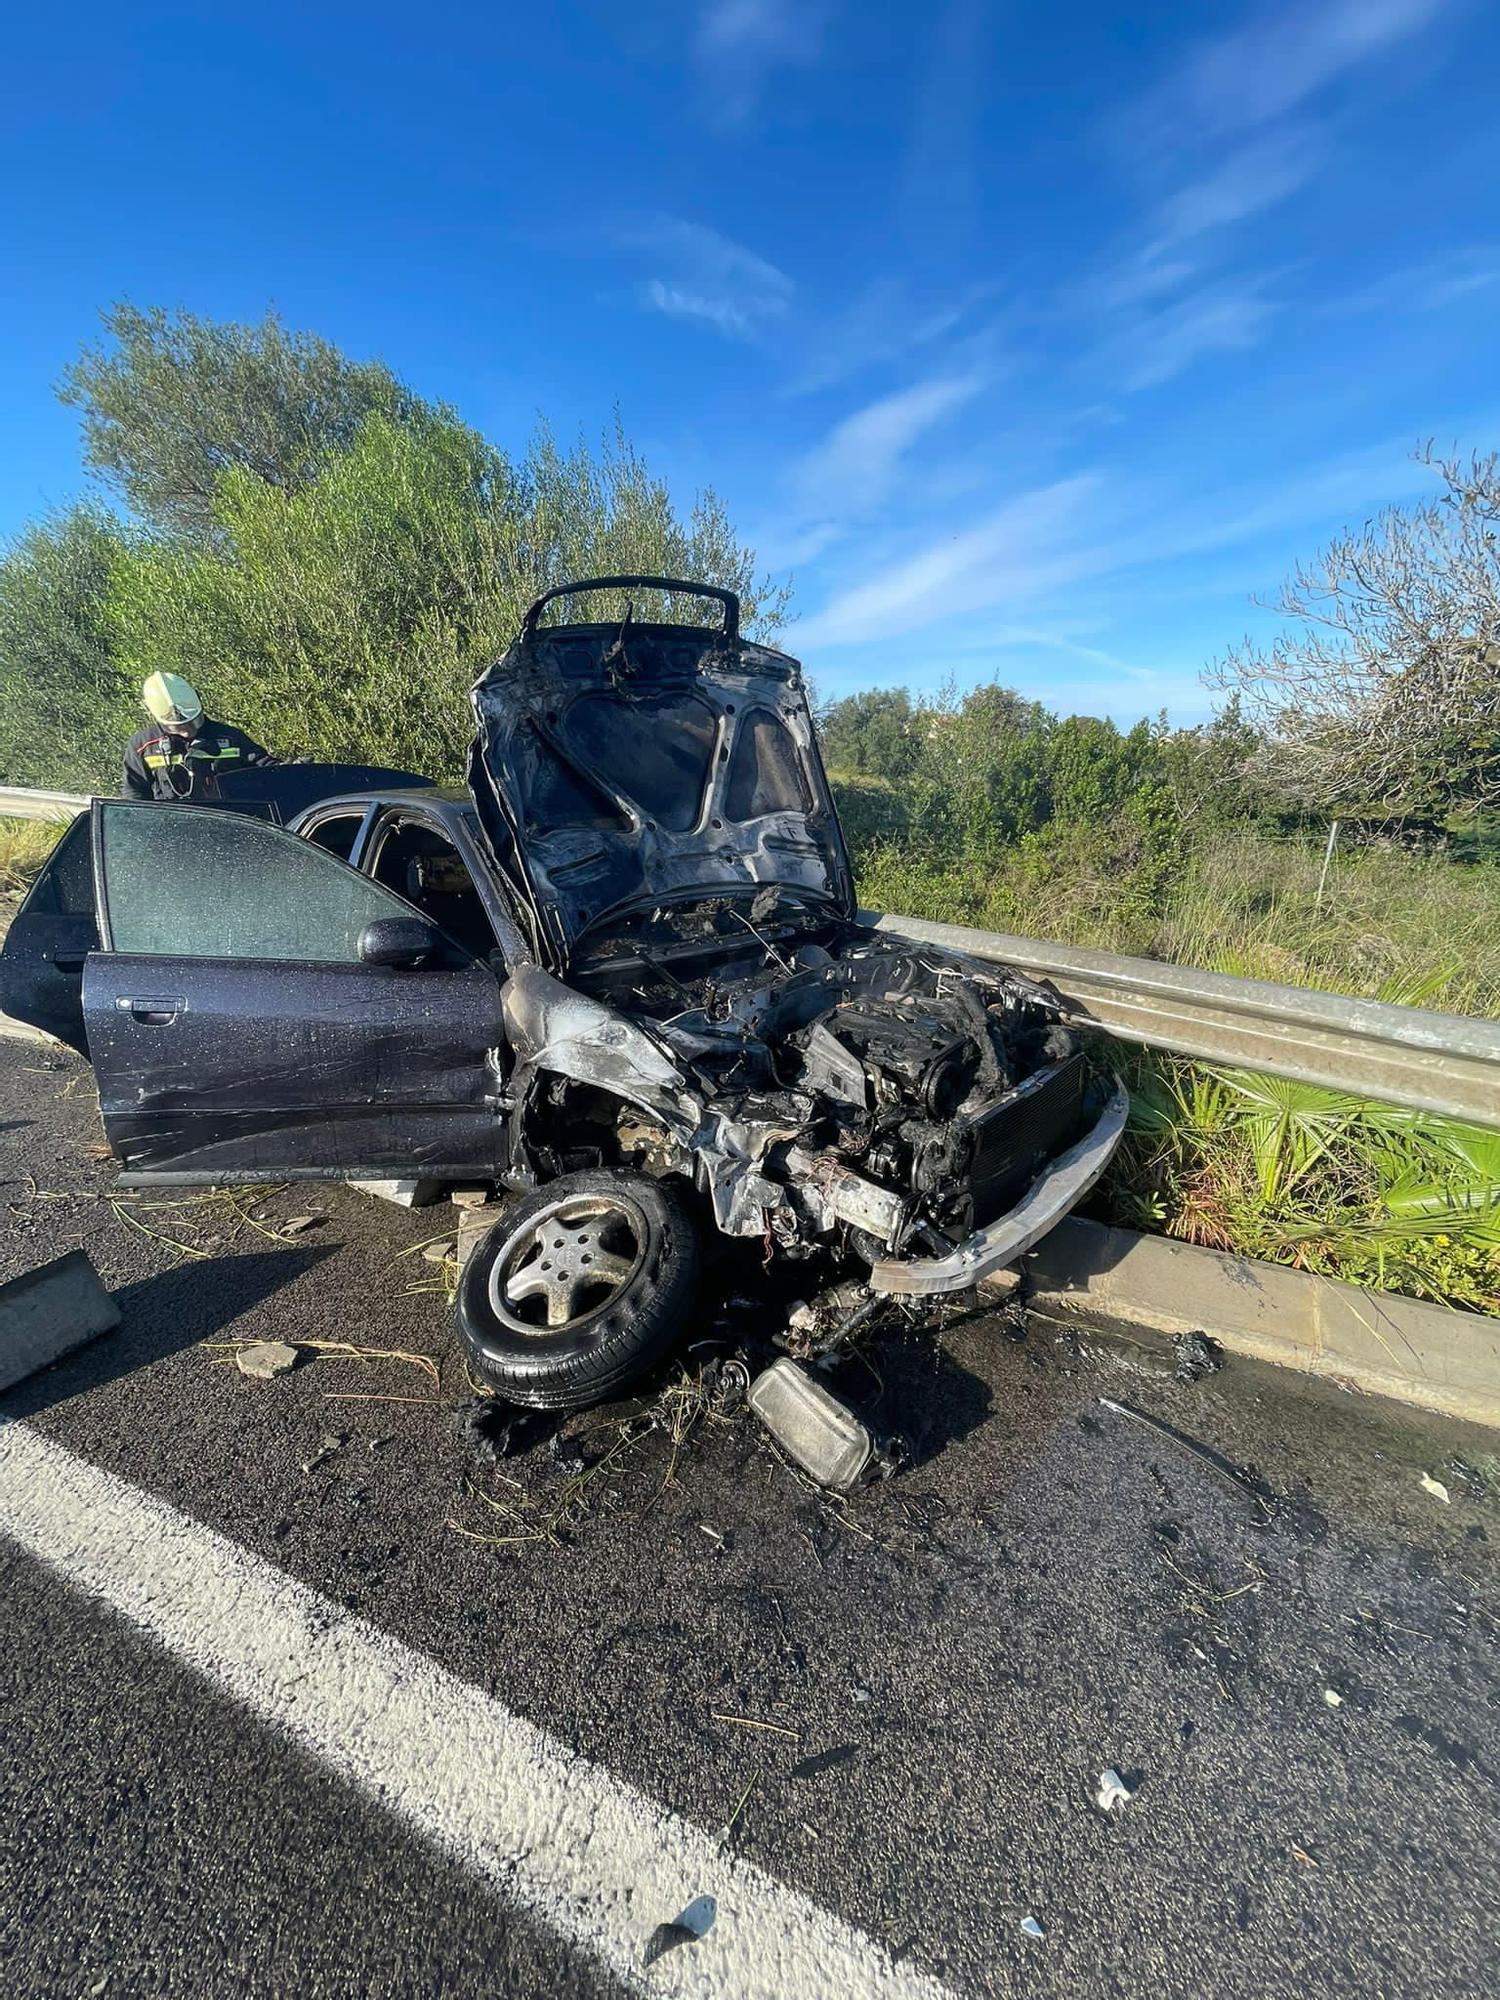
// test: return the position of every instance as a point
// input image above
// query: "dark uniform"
(159, 765)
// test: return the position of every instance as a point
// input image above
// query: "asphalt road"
(946, 1664)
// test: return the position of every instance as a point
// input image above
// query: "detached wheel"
(580, 1288)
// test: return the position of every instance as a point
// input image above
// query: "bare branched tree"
(1384, 689)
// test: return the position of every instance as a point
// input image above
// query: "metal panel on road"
(1446, 1064)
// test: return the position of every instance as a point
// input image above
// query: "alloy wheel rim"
(567, 1264)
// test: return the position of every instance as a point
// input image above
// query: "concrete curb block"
(22, 1031)
(1418, 1353)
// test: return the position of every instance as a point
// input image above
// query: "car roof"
(442, 798)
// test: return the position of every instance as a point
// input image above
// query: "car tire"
(580, 1288)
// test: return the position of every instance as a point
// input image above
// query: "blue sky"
(1032, 341)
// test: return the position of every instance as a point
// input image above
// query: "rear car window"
(185, 882)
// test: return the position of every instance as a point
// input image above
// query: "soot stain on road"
(900, 1702)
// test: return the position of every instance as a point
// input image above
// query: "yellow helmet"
(170, 700)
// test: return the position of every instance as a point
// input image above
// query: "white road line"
(596, 1862)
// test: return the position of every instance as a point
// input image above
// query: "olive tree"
(1383, 689)
(170, 402)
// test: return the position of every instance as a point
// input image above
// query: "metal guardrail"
(1447, 1064)
(21, 802)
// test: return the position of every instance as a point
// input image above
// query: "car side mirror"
(397, 941)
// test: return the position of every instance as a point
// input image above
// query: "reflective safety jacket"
(159, 766)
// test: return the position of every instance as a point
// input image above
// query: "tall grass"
(1415, 928)
(1320, 1179)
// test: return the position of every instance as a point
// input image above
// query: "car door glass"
(336, 834)
(65, 887)
(185, 882)
(426, 868)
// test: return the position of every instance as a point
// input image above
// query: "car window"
(338, 833)
(187, 882)
(423, 865)
(65, 887)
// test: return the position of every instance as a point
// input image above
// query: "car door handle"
(150, 1010)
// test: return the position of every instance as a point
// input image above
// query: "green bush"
(348, 617)
(67, 705)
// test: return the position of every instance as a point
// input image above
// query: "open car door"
(258, 1010)
(41, 966)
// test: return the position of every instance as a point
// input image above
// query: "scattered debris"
(494, 1429)
(474, 1224)
(715, 1535)
(729, 1824)
(1196, 1355)
(295, 1224)
(263, 1359)
(238, 1350)
(469, 1197)
(812, 1426)
(1112, 1790)
(1246, 1481)
(1436, 1488)
(1479, 1477)
(568, 1454)
(825, 1760)
(443, 1251)
(405, 1194)
(1301, 1856)
(754, 1722)
(694, 1922)
(1333, 1698)
(48, 1313)
(1032, 1929)
(328, 1444)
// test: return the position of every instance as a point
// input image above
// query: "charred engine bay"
(888, 1058)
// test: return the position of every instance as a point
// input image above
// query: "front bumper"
(1000, 1243)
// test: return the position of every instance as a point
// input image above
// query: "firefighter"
(183, 753)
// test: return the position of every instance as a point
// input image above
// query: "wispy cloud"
(1274, 62)
(1030, 544)
(705, 276)
(1434, 285)
(1245, 182)
(885, 322)
(740, 44)
(1227, 134)
(853, 469)
(1217, 319)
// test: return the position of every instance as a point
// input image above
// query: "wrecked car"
(621, 976)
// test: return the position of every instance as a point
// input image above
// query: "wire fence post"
(1333, 835)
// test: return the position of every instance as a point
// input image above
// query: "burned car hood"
(630, 767)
